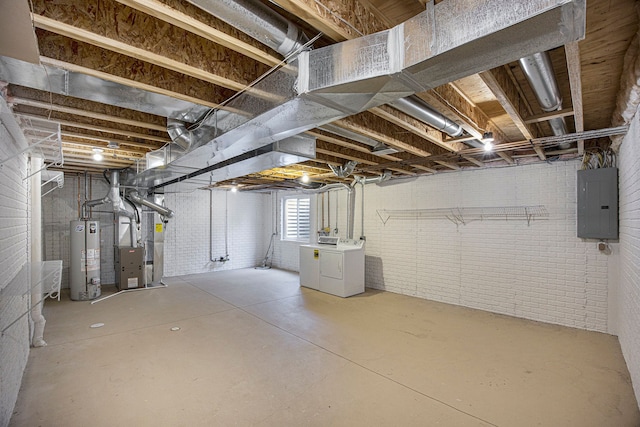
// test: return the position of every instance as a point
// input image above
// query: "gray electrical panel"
(598, 203)
(129, 271)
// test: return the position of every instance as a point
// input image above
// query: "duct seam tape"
(302, 83)
(395, 46)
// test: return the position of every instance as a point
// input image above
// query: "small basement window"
(296, 223)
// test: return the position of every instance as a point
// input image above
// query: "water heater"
(84, 271)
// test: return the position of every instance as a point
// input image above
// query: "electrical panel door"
(598, 203)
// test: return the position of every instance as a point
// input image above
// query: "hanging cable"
(211, 111)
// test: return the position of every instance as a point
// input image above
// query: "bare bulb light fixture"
(488, 147)
(97, 154)
(487, 137)
(305, 178)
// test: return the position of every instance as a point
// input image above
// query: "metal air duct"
(113, 197)
(345, 170)
(538, 70)
(418, 109)
(259, 22)
(136, 198)
(267, 26)
(446, 42)
(332, 82)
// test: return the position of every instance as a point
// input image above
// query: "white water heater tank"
(84, 270)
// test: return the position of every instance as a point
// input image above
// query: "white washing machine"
(335, 269)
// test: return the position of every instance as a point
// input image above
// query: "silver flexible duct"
(538, 70)
(258, 21)
(267, 26)
(418, 109)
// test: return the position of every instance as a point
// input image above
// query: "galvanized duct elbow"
(136, 198)
(345, 170)
(179, 134)
(112, 197)
(418, 109)
(386, 176)
(538, 70)
(258, 21)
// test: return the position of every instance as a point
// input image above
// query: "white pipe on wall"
(36, 253)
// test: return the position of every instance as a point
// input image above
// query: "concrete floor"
(256, 349)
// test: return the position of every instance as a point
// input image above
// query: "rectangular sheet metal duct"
(447, 41)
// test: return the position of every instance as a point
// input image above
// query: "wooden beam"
(344, 156)
(72, 141)
(123, 81)
(346, 19)
(414, 126)
(449, 165)
(572, 51)
(99, 128)
(424, 168)
(448, 102)
(122, 142)
(77, 147)
(103, 42)
(84, 113)
(500, 84)
(357, 124)
(104, 164)
(182, 20)
(346, 153)
(473, 160)
(544, 117)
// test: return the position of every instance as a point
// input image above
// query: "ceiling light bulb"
(234, 189)
(305, 178)
(97, 154)
(487, 137)
(488, 147)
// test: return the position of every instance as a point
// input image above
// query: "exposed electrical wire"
(340, 18)
(211, 111)
(599, 158)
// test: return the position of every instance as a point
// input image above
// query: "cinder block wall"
(629, 286)
(242, 219)
(14, 253)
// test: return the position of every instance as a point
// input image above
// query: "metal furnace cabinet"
(334, 269)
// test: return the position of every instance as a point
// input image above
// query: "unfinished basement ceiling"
(176, 50)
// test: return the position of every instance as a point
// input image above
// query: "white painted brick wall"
(14, 253)
(541, 272)
(60, 207)
(187, 236)
(629, 286)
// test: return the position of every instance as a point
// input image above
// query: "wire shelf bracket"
(465, 215)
